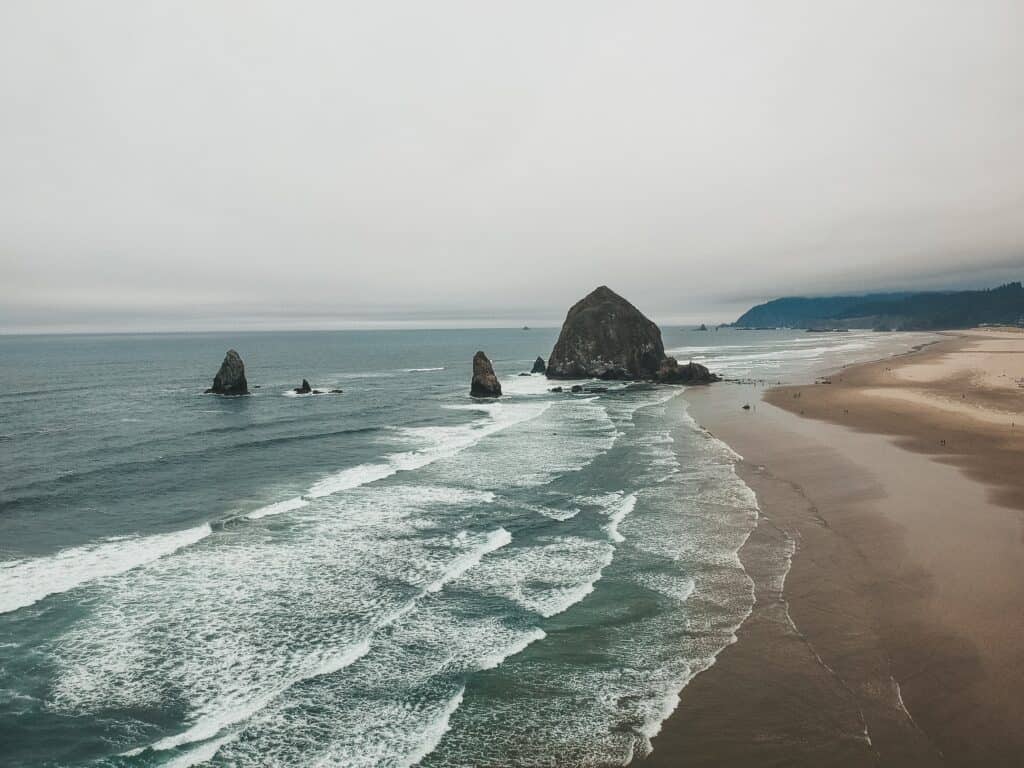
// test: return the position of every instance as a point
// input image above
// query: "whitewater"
(385, 577)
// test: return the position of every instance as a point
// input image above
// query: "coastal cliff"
(898, 311)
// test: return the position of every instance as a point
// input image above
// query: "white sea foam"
(495, 540)
(766, 356)
(618, 515)
(278, 508)
(434, 732)
(24, 582)
(441, 443)
(548, 577)
(350, 478)
(679, 588)
(200, 754)
(565, 436)
(561, 515)
(230, 626)
(239, 680)
(422, 370)
(560, 599)
(221, 716)
(525, 386)
(494, 660)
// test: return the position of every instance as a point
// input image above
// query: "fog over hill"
(893, 311)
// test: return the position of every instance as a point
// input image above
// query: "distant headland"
(923, 311)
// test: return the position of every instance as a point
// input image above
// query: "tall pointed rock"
(230, 379)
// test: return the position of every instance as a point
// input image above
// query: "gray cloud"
(324, 164)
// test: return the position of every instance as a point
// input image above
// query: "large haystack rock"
(606, 337)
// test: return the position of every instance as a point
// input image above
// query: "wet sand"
(898, 637)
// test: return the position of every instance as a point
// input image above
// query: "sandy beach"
(895, 637)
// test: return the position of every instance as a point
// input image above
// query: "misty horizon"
(196, 168)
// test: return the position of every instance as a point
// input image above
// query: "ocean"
(396, 575)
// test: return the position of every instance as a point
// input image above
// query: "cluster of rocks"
(306, 389)
(603, 337)
(230, 380)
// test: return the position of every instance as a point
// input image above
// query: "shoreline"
(890, 639)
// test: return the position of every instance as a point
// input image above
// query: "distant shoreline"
(895, 640)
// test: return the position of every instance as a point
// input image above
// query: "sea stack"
(485, 383)
(606, 337)
(230, 379)
(538, 366)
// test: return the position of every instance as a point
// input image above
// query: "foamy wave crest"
(494, 660)
(534, 384)
(495, 540)
(422, 370)
(548, 578)
(617, 516)
(442, 442)
(278, 508)
(560, 599)
(679, 588)
(200, 754)
(350, 478)
(222, 715)
(24, 582)
(434, 732)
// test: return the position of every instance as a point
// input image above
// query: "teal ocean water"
(397, 575)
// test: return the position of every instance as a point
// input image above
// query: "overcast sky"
(249, 164)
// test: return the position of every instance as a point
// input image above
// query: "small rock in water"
(230, 379)
(538, 365)
(305, 389)
(555, 389)
(746, 407)
(485, 383)
(577, 388)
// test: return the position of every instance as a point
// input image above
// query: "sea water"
(395, 575)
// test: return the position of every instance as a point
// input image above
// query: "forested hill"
(896, 311)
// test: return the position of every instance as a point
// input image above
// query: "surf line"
(317, 665)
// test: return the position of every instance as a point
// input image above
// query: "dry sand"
(898, 638)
